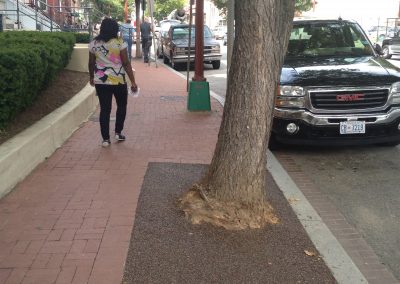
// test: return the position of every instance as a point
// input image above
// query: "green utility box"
(199, 96)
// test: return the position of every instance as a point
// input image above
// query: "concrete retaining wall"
(22, 153)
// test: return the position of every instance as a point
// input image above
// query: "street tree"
(111, 8)
(162, 8)
(303, 5)
(300, 6)
(232, 194)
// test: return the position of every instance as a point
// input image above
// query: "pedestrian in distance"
(146, 30)
(127, 32)
(108, 66)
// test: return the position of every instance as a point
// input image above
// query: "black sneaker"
(119, 137)
(106, 143)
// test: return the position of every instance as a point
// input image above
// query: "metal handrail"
(49, 21)
(28, 11)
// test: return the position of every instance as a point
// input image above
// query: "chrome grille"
(206, 50)
(352, 99)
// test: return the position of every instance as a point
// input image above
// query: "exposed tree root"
(200, 208)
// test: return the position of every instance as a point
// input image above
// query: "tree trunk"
(232, 195)
(138, 21)
(238, 168)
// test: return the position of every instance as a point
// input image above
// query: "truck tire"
(273, 144)
(173, 64)
(385, 52)
(216, 64)
(166, 60)
(159, 53)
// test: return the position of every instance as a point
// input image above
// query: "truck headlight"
(290, 96)
(395, 93)
(215, 49)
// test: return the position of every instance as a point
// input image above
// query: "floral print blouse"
(108, 69)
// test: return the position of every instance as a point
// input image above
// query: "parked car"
(335, 89)
(176, 43)
(162, 32)
(219, 32)
(391, 44)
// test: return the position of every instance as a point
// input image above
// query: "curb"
(336, 258)
(22, 153)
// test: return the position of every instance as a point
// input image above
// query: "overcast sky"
(366, 12)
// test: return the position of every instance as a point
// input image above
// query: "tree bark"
(238, 168)
(232, 194)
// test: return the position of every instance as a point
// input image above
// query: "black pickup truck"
(335, 89)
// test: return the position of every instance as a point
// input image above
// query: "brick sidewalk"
(70, 220)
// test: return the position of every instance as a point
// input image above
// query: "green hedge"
(82, 37)
(29, 61)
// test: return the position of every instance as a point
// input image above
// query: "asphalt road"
(363, 182)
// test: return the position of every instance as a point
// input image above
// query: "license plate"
(352, 127)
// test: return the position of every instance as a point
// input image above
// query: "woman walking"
(108, 66)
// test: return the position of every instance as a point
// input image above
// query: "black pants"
(146, 44)
(105, 94)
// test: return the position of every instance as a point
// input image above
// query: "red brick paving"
(70, 220)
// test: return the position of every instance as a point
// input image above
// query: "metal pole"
(138, 21)
(18, 24)
(377, 30)
(51, 17)
(199, 42)
(190, 43)
(36, 13)
(90, 22)
(151, 8)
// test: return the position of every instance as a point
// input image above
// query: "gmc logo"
(350, 97)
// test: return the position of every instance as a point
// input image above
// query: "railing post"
(18, 23)
(90, 24)
(36, 14)
(90, 8)
(51, 17)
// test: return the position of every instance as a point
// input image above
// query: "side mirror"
(378, 49)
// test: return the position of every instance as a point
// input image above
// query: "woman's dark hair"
(108, 30)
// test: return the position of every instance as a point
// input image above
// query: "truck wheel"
(173, 64)
(385, 52)
(216, 64)
(159, 53)
(273, 144)
(166, 60)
